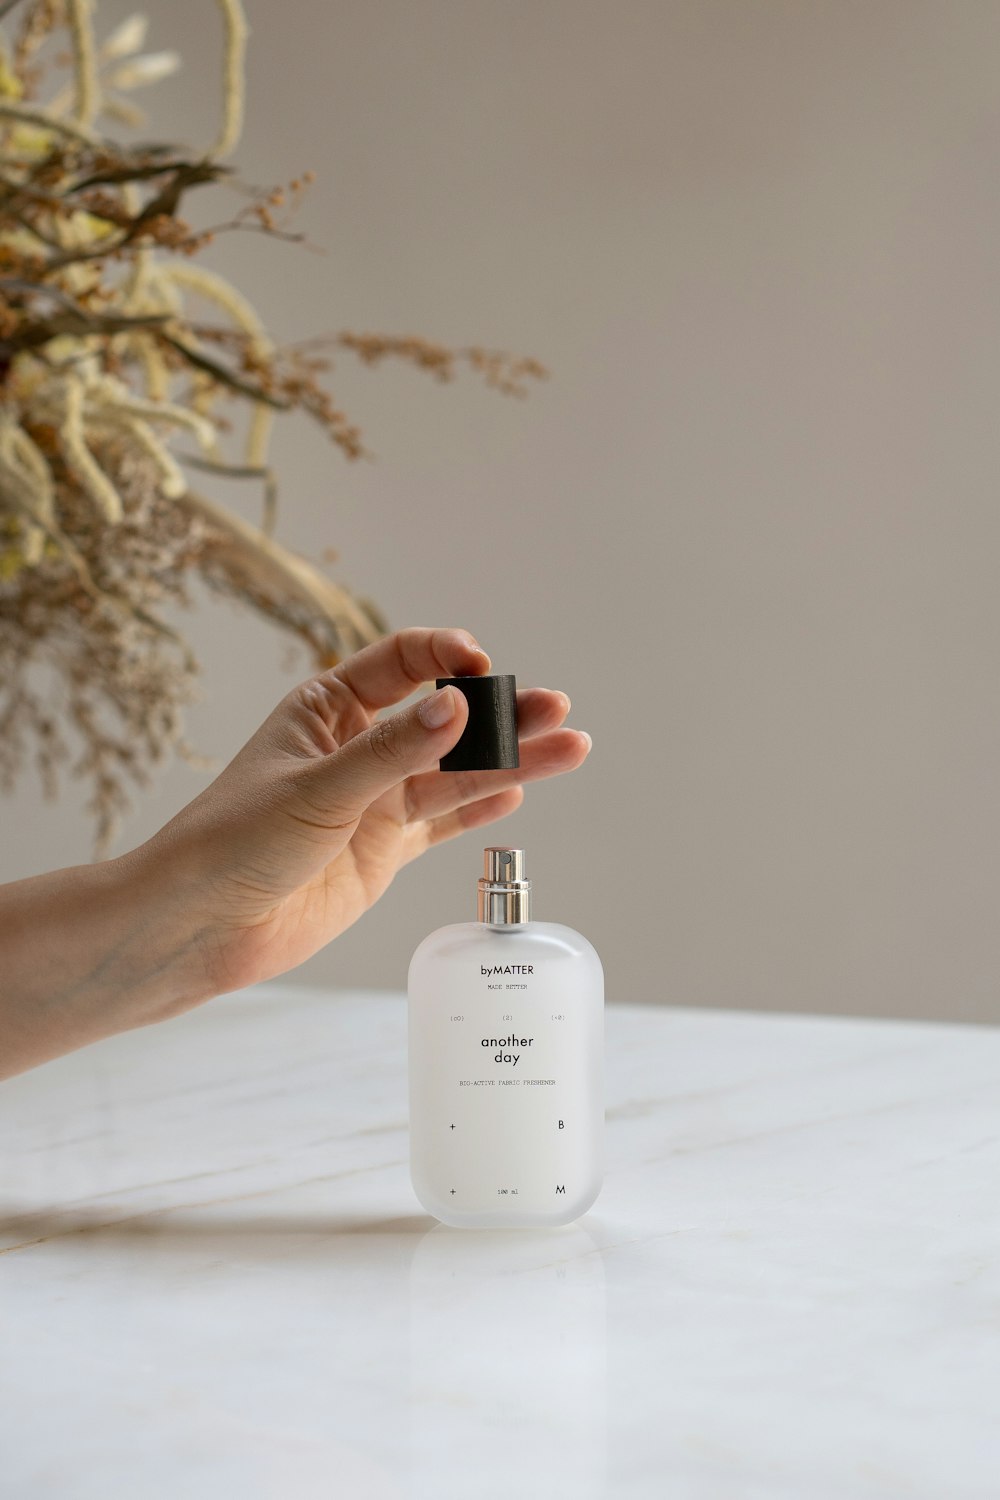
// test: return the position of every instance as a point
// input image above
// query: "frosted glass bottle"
(506, 1063)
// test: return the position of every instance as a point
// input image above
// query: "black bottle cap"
(489, 739)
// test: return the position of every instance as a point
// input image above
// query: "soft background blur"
(752, 523)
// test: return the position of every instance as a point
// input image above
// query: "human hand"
(309, 823)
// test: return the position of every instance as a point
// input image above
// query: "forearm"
(92, 950)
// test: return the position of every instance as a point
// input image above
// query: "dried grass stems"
(115, 385)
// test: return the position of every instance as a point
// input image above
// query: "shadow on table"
(19, 1231)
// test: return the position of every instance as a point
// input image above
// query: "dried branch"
(102, 361)
(331, 622)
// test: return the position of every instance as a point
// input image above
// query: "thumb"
(345, 783)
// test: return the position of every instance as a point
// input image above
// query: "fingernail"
(437, 708)
(566, 699)
(475, 646)
(587, 738)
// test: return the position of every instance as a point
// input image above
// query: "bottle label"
(505, 1090)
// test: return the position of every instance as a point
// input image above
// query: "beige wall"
(752, 524)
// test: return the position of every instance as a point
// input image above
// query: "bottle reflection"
(508, 1363)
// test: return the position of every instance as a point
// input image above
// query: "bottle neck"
(504, 905)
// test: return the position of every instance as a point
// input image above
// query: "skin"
(296, 839)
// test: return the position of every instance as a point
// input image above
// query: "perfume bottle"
(506, 1053)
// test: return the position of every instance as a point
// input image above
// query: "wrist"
(165, 939)
(92, 950)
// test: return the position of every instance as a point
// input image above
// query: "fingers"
(390, 670)
(335, 790)
(454, 803)
(538, 709)
(436, 793)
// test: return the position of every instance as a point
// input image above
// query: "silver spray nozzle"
(504, 893)
(500, 866)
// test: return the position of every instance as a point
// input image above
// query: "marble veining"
(215, 1279)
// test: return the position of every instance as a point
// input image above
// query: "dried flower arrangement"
(103, 365)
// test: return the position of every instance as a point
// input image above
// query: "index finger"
(390, 669)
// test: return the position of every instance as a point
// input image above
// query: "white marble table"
(215, 1280)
